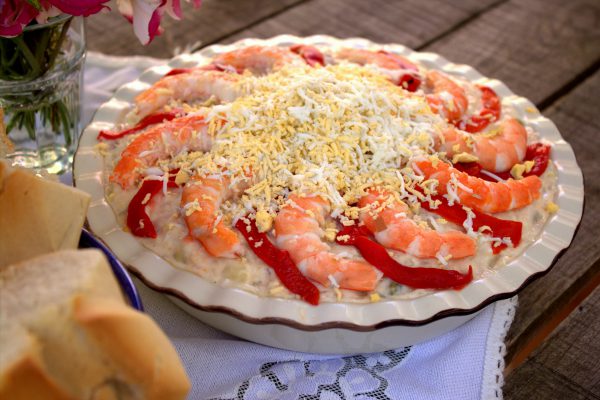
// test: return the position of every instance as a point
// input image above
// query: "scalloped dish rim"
(157, 273)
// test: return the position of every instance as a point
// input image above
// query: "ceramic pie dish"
(330, 327)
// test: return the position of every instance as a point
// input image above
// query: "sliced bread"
(64, 325)
(37, 215)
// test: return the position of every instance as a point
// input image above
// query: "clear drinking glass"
(41, 74)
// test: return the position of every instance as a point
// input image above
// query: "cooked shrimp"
(497, 149)
(197, 84)
(298, 231)
(448, 98)
(382, 59)
(482, 195)
(169, 138)
(200, 203)
(398, 69)
(259, 60)
(310, 54)
(394, 229)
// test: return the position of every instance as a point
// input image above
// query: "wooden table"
(545, 50)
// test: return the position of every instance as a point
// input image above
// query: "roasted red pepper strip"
(500, 228)
(471, 168)
(311, 54)
(280, 261)
(138, 221)
(490, 111)
(410, 82)
(415, 277)
(474, 169)
(146, 121)
(177, 71)
(539, 153)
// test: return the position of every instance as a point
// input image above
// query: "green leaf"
(63, 112)
(35, 4)
(14, 121)
(30, 124)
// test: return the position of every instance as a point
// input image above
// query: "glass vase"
(41, 73)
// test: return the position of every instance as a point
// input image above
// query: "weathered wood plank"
(111, 34)
(539, 48)
(534, 46)
(410, 22)
(578, 120)
(534, 381)
(567, 365)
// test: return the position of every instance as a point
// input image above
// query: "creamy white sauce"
(250, 274)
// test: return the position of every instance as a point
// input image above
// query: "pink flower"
(77, 7)
(145, 15)
(14, 16)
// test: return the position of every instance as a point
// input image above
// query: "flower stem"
(33, 62)
(57, 45)
(66, 121)
(4, 52)
(25, 58)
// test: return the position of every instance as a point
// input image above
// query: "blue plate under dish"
(87, 240)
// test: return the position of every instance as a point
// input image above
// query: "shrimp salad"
(358, 175)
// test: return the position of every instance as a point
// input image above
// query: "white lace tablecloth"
(466, 363)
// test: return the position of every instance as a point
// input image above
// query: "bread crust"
(68, 333)
(25, 378)
(38, 216)
(136, 344)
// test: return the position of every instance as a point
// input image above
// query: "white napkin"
(466, 363)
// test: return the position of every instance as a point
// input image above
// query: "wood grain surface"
(576, 116)
(566, 366)
(215, 20)
(412, 22)
(545, 50)
(533, 49)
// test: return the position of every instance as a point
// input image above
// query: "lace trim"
(360, 376)
(493, 364)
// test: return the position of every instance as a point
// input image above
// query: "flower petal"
(154, 24)
(14, 16)
(173, 8)
(146, 18)
(79, 7)
(43, 16)
(126, 9)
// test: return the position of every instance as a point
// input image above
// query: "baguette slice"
(79, 334)
(23, 375)
(136, 345)
(53, 280)
(37, 216)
